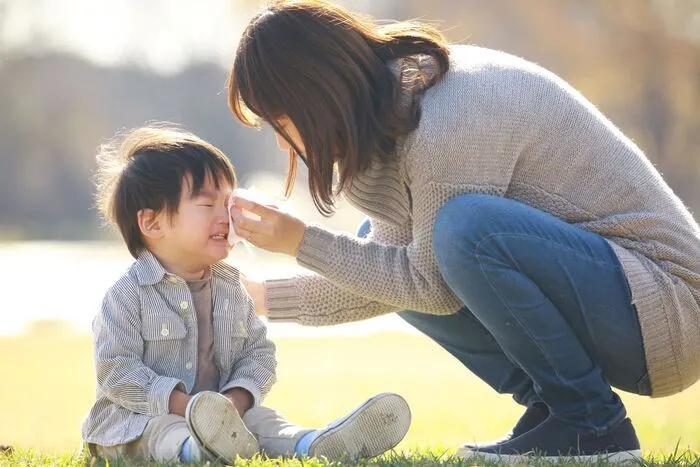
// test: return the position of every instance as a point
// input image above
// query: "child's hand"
(275, 231)
(177, 403)
(241, 399)
(256, 290)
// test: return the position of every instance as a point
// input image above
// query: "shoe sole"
(215, 425)
(614, 457)
(465, 451)
(376, 426)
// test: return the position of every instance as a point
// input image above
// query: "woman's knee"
(461, 224)
(365, 228)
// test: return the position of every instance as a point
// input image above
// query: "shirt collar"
(207, 276)
(148, 269)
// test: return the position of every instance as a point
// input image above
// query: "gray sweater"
(497, 124)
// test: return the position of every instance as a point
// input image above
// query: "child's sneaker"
(376, 426)
(217, 428)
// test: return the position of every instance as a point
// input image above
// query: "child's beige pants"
(163, 437)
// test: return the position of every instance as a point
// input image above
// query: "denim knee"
(365, 228)
(461, 224)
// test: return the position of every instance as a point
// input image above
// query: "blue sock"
(304, 443)
(189, 451)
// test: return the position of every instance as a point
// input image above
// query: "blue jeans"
(547, 310)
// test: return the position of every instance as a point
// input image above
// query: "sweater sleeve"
(391, 270)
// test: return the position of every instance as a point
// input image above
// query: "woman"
(524, 232)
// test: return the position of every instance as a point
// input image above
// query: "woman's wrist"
(282, 299)
(300, 232)
(256, 290)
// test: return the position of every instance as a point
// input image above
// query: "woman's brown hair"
(326, 69)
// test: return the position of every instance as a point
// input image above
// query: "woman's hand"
(256, 290)
(275, 231)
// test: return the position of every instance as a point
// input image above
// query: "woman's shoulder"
(485, 84)
(477, 61)
(485, 98)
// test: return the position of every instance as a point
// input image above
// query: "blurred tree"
(637, 60)
(3, 25)
(681, 18)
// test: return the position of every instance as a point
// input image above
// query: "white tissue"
(251, 195)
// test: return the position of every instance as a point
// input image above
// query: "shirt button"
(184, 305)
(188, 365)
(164, 332)
(173, 279)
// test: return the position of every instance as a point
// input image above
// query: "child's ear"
(150, 223)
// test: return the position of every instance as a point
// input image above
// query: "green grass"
(415, 458)
(47, 387)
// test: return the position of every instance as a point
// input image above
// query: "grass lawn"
(48, 387)
(415, 458)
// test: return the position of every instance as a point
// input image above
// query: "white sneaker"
(217, 428)
(377, 425)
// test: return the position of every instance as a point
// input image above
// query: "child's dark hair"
(145, 169)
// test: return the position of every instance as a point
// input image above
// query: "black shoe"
(554, 440)
(533, 416)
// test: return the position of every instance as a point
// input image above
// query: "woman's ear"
(150, 223)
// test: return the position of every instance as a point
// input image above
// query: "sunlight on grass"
(412, 458)
(48, 387)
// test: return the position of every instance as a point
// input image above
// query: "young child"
(182, 361)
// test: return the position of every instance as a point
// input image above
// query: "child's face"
(197, 235)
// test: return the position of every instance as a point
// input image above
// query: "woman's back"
(498, 124)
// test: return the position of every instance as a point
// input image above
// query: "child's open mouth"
(219, 237)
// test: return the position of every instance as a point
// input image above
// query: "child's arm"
(121, 373)
(254, 371)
